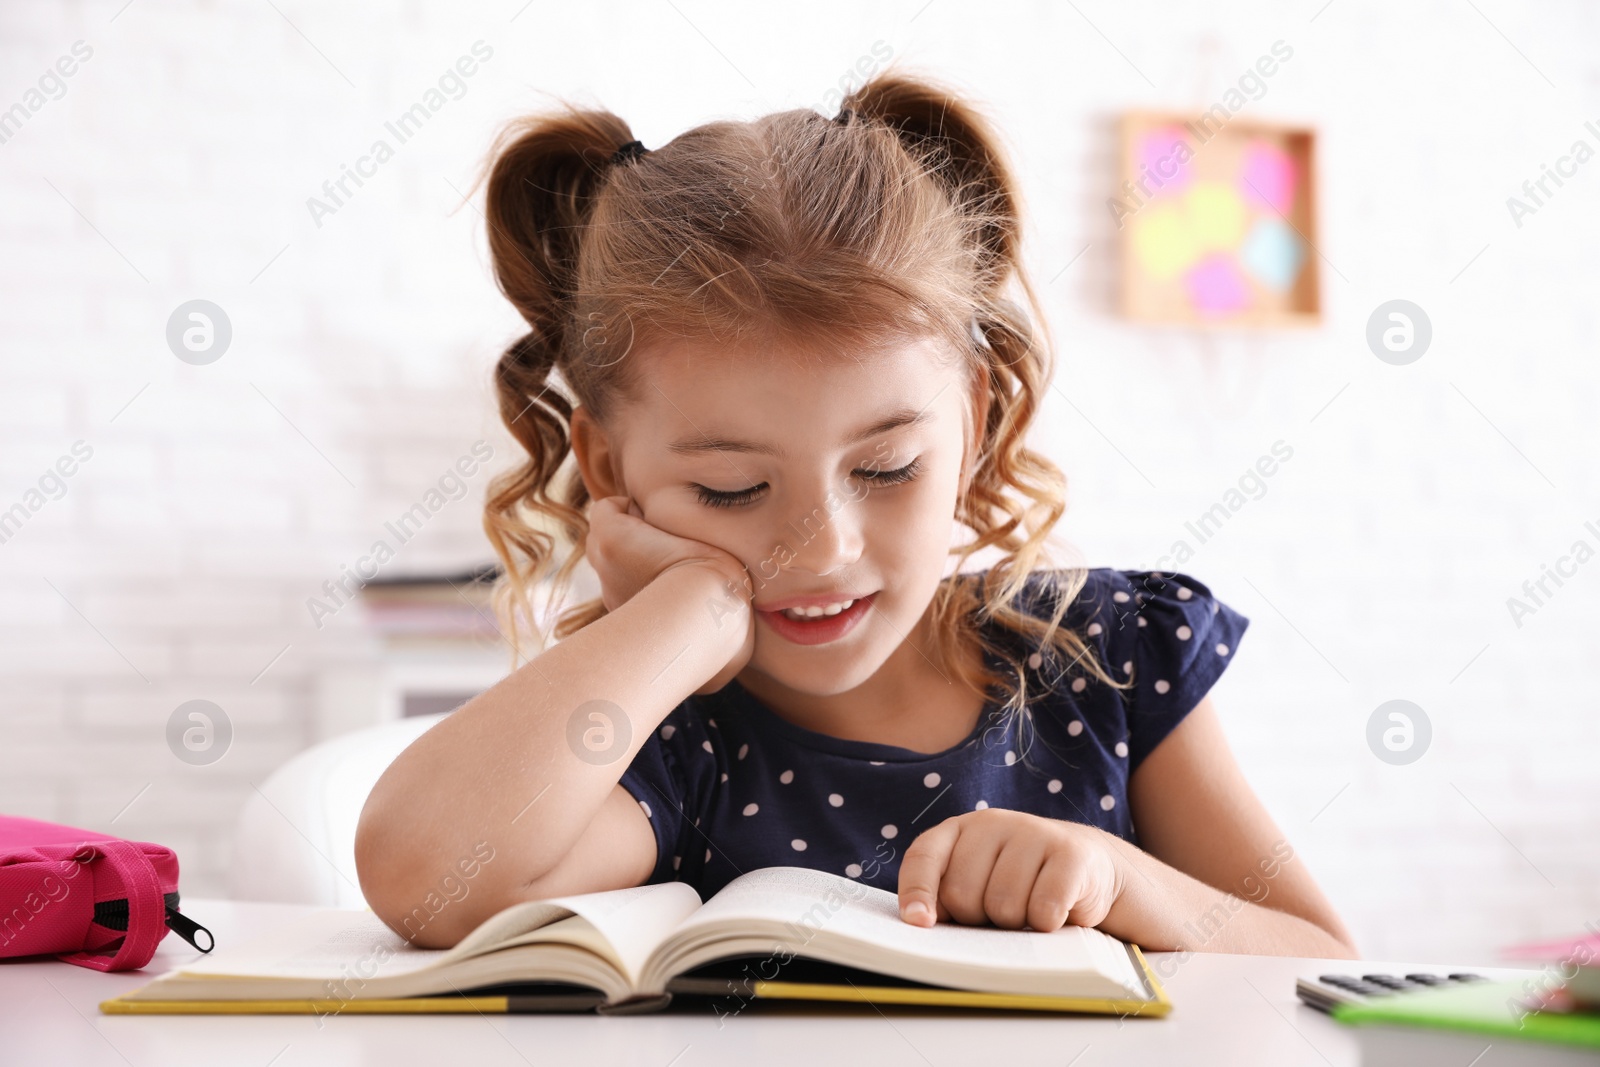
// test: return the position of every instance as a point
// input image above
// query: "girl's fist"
(1009, 868)
(628, 553)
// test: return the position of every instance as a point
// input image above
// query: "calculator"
(1327, 991)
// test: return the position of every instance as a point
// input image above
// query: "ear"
(596, 458)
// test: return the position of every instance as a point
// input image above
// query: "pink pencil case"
(91, 899)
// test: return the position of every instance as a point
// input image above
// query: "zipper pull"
(186, 928)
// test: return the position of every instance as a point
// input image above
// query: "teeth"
(817, 612)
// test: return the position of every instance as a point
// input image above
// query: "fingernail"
(916, 911)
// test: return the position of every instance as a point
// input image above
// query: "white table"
(1233, 1010)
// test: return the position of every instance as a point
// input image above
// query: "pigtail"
(546, 176)
(1014, 496)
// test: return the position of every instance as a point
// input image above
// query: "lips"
(812, 600)
(816, 630)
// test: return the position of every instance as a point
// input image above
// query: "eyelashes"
(878, 479)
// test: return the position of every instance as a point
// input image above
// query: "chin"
(823, 673)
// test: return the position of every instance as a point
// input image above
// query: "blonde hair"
(898, 219)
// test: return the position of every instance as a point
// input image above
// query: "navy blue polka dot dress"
(729, 786)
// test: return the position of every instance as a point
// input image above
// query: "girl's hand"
(1009, 867)
(628, 553)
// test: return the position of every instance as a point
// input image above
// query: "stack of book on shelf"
(1550, 1017)
(444, 605)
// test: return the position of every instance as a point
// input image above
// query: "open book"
(778, 932)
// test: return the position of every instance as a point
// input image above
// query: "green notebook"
(1488, 1008)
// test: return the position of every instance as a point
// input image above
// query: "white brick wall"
(188, 543)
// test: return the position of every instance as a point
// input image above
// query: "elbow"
(383, 862)
(429, 903)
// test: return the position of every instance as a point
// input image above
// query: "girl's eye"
(894, 477)
(715, 498)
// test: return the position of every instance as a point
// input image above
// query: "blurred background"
(187, 503)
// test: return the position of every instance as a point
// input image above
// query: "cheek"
(681, 514)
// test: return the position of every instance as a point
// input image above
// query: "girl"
(794, 378)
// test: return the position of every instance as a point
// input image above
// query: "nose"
(824, 542)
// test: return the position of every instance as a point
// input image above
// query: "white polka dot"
(1095, 629)
(667, 732)
(677, 861)
(1035, 660)
(1162, 685)
(1120, 597)
(835, 799)
(743, 751)
(1079, 684)
(751, 808)
(713, 722)
(1122, 749)
(706, 745)
(1215, 607)
(876, 762)
(1075, 727)
(889, 830)
(786, 777)
(697, 822)
(1184, 592)
(854, 870)
(1054, 786)
(1127, 667)
(1011, 757)
(646, 808)
(980, 805)
(724, 776)
(1142, 622)
(1108, 802)
(930, 780)
(1222, 650)
(1184, 633)
(798, 845)
(708, 855)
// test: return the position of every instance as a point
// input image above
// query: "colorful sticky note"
(1163, 156)
(1268, 175)
(1273, 254)
(1163, 240)
(1216, 287)
(1216, 216)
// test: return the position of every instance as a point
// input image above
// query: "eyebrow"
(893, 421)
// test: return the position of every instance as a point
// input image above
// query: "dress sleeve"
(1182, 639)
(671, 778)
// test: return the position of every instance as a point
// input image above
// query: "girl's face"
(833, 478)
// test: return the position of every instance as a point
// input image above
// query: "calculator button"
(1388, 981)
(1467, 977)
(1369, 989)
(1426, 979)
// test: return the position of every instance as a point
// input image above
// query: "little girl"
(794, 384)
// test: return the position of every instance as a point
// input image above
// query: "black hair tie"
(844, 116)
(628, 152)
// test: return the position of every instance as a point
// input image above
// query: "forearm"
(527, 764)
(1163, 909)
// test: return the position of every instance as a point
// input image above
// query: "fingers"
(968, 871)
(921, 871)
(1055, 892)
(1008, 893)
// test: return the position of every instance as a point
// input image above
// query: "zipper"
(113, 915)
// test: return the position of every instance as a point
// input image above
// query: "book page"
(333, 944)
(634, 921)
(329, 944)
(807, 902)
